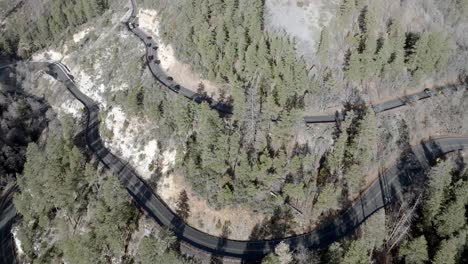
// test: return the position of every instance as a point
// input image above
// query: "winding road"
(387, 189)
(153, 61)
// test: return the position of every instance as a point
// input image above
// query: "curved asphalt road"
(152, 59)
(382, 192)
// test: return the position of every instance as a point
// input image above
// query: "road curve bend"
(378, 195)
(152, 59)
(384, 191)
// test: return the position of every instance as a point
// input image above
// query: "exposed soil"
(204, 217)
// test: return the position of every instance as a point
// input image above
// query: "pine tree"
(449, 250)
(324, 46)
(327, 199)
(438, 181)
(414, 251)
(356, 253)
(452, 218)
(355, 70)
(183, 208)
(347, 8)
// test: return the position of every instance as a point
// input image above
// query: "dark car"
(177, 87)
(157, 61)
(169, 78)
(150, 57)
(427, 91)
(149, 37)
(149, 44)
(155, 48)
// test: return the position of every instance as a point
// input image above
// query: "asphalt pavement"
(390, 104)
(153, 61)
(386, 190)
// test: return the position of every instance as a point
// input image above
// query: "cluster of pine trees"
(225, 41)
(72, 213)
(237, 160)
(441, 235)
(60, 190)
(244, 158)
(24, 34)
(380, 51)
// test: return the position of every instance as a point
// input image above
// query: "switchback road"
(387, 189)
(382, 192)
(153, 62)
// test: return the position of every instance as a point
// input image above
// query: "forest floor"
(302, 20)
(241, 220)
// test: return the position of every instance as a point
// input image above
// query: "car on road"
(169, 78)
(150, 57)
(157, 61)
(149, 37)
(149, 44)
(176, 87)
(427, 91)
(155, 47)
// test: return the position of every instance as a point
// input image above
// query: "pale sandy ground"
(128, 144)
(47, 55)
(19, 249)
(80, 35)
(181, 72)
(132, 143)
(127, 141)
(300, 19)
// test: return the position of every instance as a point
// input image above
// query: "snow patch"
(301, 19)
(48, 55)
(80, 35)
